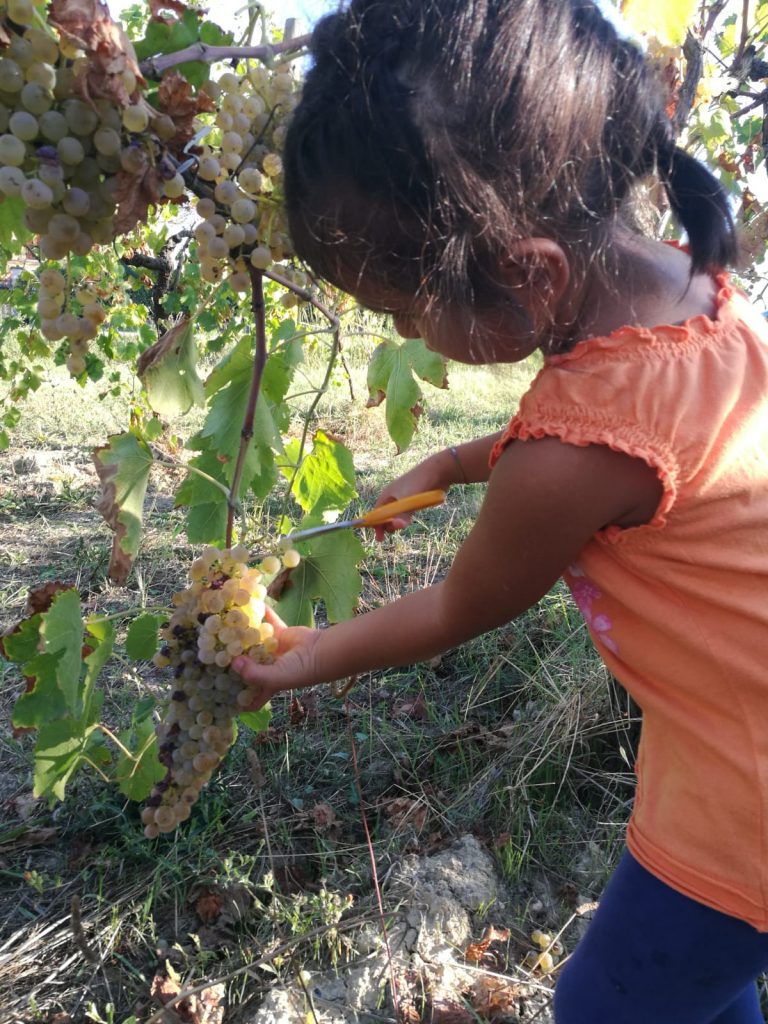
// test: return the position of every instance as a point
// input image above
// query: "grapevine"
(217, 618)
(85, 154)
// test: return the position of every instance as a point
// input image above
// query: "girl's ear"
(539, 271)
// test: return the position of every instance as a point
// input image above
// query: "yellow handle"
(383, 514)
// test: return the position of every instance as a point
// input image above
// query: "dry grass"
(516, 737)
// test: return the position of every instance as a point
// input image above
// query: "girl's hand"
(429, 475)
(294, 665)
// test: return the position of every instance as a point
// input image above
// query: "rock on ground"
(443, 901)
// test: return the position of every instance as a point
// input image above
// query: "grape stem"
(259, 362)
(335, 326)
(194, 469)
(206, 54)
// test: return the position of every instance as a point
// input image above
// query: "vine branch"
(154, 67)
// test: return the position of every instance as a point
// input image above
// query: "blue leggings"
(654, 956)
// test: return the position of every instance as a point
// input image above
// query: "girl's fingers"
(271, 616)
(398, 523)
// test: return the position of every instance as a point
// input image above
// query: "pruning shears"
(377, 516)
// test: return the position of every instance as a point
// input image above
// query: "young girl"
(465, 165)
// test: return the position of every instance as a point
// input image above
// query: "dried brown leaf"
(177, 99)
(134, 194)
(416, 708)
(297, 712)
(208, 905)
(155, 353)
(323, 816)
(120, 561)
(31, 837)
(401, 811)
(109, 51)
(477, 950)
(445, 1011)
(207, 1007)
(495, 998)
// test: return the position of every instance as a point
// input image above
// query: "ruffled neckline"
(695, 327)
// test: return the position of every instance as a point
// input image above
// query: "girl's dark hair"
(432, 132)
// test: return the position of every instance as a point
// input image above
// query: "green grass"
(516, 737)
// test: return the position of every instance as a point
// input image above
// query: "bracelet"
(457, 460)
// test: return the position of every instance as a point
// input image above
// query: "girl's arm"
(545, 501)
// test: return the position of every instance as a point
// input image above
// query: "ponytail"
(700, 204)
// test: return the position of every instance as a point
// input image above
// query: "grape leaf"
(137, 775)
(392, 374)
(142, 639)
(207, 524)
(327, 572)
(123, 467)
(13, 231)
(102, 633)
(257, 720)
(163, 38)
(21, 644)
(228, 387)
(168, 371)
(44, 702)
(61, 629)
(667, 20)
(61, 747)
(326, 477)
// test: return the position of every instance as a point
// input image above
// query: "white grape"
(41, 46)
(136, 118)
(11, 75)
(36, 193)
(11, 180)
(76, 202)
(53, 125)
(43, 74)
(243, 210)
(36, 98)
(175, 186)
(70, 150)
(261, 257)
(208, 168)
(21, 11)
(12, 151)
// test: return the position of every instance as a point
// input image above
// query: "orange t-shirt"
(678, 608)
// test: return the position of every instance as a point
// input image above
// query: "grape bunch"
(63, 158)
(218, 617)
(243, 218)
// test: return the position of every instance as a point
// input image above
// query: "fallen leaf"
(30, 837)
(495, 998)
(415, 708)
(476, 951)
(206, 1007)
(297, 713)
(323, 816)
(208, 906)
(26, 805)
(401, 811)
(446, 1011)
